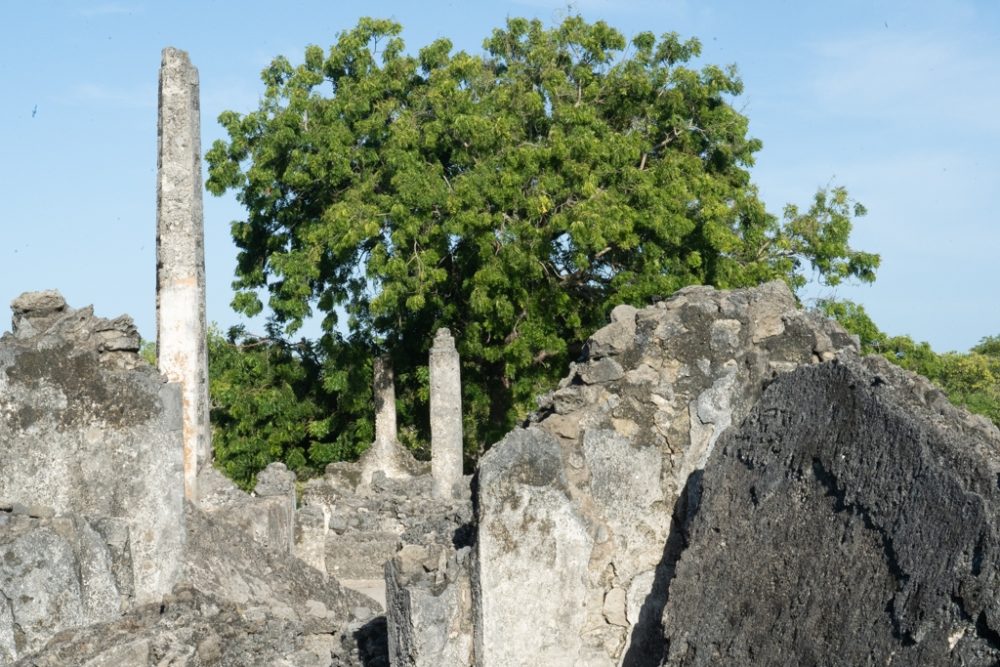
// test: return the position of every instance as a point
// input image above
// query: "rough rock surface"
(268, 516)
(575, 514)
(57, 573)
(852, 519)
(93, 528)
(367, 524)
(430, 619)
(222, 561)
(192, 629)
(357, 526)
(77, 407)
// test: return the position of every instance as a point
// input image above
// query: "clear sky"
(899, 101)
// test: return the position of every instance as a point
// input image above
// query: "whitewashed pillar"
(180, 257)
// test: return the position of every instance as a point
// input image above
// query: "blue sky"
(898, 101)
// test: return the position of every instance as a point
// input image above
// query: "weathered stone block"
(80, 435)
(360, 555)
(55, 574)
(533, 549)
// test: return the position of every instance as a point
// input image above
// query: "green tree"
(268, 404)
(514, 196)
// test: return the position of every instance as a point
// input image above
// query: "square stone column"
(180, 258)
(446, 415)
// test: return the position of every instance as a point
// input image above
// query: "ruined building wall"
(87, 427)
(576, 514)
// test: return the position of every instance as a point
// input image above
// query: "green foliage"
(514, 196)
(147, 350)
(268, 405)
(970, 379)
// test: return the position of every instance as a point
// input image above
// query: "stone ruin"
(721, 479)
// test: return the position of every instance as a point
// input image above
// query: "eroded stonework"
(853, 518)
(582, 503)
(87, 427)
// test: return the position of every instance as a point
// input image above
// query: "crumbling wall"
(87, 427)
(364, 525)
(576, 514)
(430, 618)
(267, 516)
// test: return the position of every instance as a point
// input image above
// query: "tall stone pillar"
(180, 257)
(446, 414)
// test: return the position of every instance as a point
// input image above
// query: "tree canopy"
(514, 196)
(970, 379)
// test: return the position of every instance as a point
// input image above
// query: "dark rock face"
(852, 519)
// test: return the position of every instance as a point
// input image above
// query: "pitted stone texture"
(430, 607)
(45, 321)
(55, 573)
(267, 516)
(366, 524)
(533, 548)
(81, 435)
(222, 562)
(312, 526)
(193, 629)
(446, 415)
(851, 519)
(633, 423)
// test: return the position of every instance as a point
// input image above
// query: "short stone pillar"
(446, 415)
(180, 258)
(274, 508)
(384, 388)
(386, 455)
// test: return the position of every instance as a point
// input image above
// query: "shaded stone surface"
(56, 573)
(852, 519)
(221, 561)
(268, 516)
(194, 629)
(429, 615)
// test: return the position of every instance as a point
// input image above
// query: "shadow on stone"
(373, 642)
(648, 646)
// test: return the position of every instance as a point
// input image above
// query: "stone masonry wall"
(87, 427)
(576, 514)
